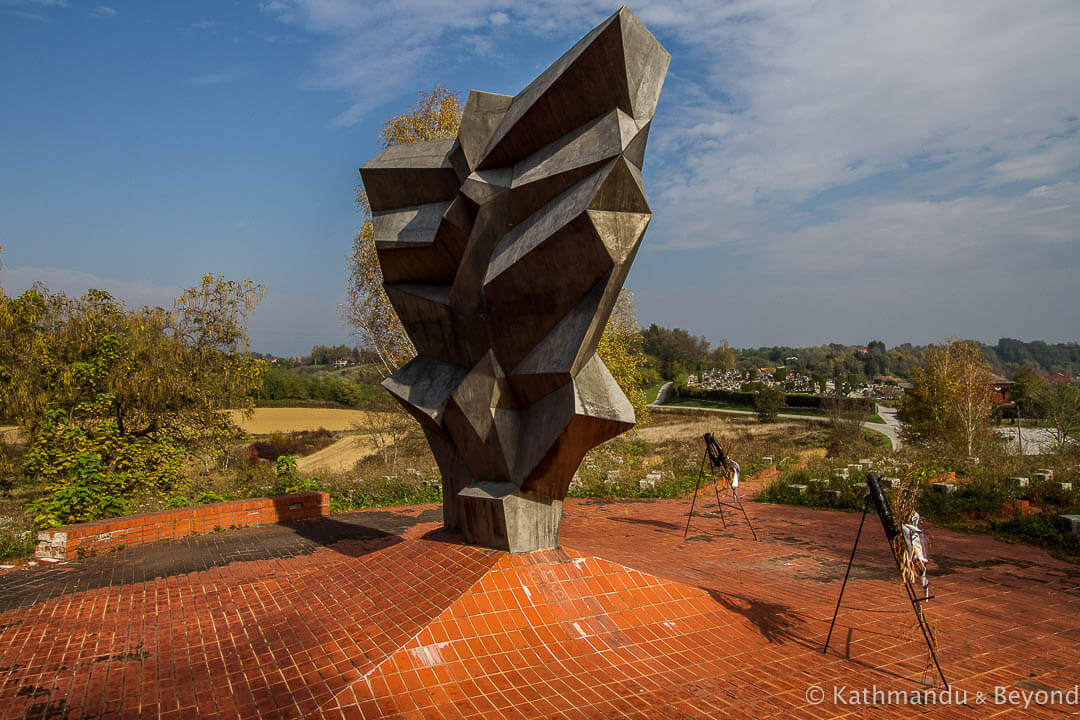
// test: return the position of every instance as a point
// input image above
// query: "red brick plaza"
(380, 614)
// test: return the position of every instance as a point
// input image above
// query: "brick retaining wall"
(69, 541)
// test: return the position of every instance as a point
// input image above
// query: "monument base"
(500, 516)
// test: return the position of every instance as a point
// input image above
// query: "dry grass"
(342, 456)
(695, 427)
(270, 420)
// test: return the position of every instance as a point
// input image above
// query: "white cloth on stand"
(913, 538)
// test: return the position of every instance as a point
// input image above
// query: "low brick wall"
(69, 541)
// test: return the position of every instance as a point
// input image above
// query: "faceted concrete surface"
(383, 614)
(503, 253)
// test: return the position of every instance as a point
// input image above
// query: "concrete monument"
(503, 253)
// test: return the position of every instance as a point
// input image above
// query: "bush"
(91, 474)
(792, 400)
(16, 544)
(284, 384)
(767, 402)
(294, 443)
(780, 491)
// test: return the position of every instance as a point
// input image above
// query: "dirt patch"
(269, 420)
(341, 456)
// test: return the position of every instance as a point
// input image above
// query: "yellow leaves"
(951, 397)
(435, 116)
(620, 348)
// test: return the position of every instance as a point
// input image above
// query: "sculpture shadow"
(346, 538)
(661, 524)
(775, 621)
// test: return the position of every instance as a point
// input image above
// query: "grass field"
(652, 392)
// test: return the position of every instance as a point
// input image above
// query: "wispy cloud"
(881, 138)
(201, 25)
(102, 11)
(26, 15)
(25, 9)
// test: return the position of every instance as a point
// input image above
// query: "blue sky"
(828, 171)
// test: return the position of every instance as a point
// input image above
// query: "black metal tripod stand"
(717, 463)
(881, 502)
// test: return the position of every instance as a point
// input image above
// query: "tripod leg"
(928, 634)
(693, 499)
(866, 506)
(747, 518)
(716, 489)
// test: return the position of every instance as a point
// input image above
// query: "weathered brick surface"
(71, 541)
(627, 620)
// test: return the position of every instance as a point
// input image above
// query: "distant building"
(1001, 389)
(1058, 377)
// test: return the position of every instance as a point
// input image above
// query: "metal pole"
(913, 598)
(716, 489)
(866, 507)
(693, 500)
(1019, 435)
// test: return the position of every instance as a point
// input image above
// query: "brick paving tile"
(380, 614)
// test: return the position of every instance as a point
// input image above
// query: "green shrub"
(767, 402)
(16, 544)
(1040, 529)
(209, 497)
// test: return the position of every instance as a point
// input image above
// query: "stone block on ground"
(1070, 523)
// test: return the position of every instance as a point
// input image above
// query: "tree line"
(674, 350)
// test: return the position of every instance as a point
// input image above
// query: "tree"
(620, 348)
(675, 349)
(1060, 402)
(846, 418)
(435, 116)
(950, 401)
(767, 401)
(112, 400)
(1027, 390)
(723, 357)
(779, 374)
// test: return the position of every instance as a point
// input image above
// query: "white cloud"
(882, 138)
(202, 25)
(102, 11)
(1050, 161)
(27, 15)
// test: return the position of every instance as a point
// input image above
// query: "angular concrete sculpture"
(503, 253)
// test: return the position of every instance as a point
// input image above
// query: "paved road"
(661, 396)
(1036, 440)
